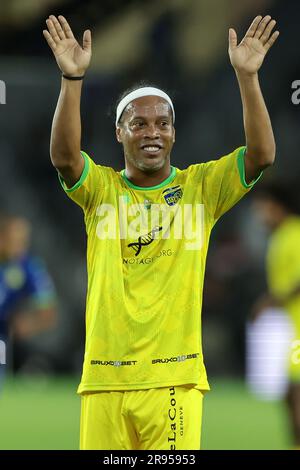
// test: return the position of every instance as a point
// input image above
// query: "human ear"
(118, 134)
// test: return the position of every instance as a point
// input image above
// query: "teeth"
(151, 149)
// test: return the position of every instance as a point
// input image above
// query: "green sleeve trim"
(149, 188)
(241, 168)
(82, 177)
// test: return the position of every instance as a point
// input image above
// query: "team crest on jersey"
(172, 195)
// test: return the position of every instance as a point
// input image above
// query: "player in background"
(277, 207)
(27, 295)
(143, 376)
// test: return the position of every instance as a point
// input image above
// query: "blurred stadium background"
(180, 45)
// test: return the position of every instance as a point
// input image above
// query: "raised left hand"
(248, 56)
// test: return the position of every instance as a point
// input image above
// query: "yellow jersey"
(283, 273)
(146, 253)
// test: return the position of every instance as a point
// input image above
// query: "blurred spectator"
(27, 295)
(278, 208)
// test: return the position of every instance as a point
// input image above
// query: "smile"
(151, 148)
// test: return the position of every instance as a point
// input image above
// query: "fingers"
(52, 31)
(87, 41)
(271, 41)
(264, 30)
(267, 32)
(262, 26)
(232, 38)
(49, 39)
(56, 24)
(66, 27)
(253, 27)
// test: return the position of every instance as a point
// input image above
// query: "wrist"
(73, 76)
(244, 75)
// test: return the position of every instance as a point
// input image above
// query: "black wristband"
(73, 78)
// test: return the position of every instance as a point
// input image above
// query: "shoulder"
(194, 171)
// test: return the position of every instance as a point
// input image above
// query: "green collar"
(148, 188)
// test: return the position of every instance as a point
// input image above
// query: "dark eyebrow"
(137, 117)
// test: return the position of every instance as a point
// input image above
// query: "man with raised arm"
(148, 229)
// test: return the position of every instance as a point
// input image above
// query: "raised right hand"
(72, 59)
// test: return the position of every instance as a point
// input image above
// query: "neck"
(281, 219)
(146, 179)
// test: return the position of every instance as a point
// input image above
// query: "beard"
(147, 165)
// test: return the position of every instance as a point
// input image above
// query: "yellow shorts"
(166, 418)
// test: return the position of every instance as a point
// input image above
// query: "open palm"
(71, 58)
(249, 55)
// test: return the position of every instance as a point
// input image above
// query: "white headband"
(145, 91)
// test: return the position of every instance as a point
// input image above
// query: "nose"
(152, 131)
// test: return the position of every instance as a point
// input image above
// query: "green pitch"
(44, 414)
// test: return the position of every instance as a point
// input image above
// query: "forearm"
(258, 129)
(66, 126)
(28, 324)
